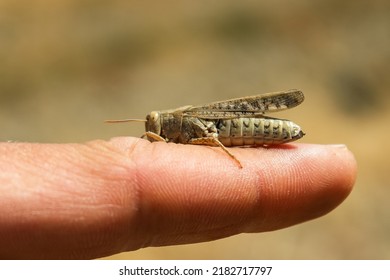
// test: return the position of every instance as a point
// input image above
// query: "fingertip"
(328, 174)
(342, 168)
(300, 182)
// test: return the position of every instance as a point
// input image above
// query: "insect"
(233, 122)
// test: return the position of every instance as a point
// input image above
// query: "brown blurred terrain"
(65, 66)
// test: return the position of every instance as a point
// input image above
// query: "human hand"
(91, 200)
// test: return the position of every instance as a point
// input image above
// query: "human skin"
(83, 201)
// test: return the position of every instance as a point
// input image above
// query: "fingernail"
(339, 146)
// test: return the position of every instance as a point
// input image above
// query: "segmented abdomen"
(254, 131)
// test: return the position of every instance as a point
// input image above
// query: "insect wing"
(250, 106)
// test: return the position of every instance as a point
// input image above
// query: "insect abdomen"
(253, 131)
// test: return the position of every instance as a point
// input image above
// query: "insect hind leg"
(212, 141)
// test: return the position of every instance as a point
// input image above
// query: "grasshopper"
(233, 122)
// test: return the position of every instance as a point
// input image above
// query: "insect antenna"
(124, 120)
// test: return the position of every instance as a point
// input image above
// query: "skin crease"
(82, 201)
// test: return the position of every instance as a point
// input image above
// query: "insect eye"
(154, 116)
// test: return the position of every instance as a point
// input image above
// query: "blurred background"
(65, 66)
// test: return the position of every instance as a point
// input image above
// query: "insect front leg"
(213, 141)
(154, 136)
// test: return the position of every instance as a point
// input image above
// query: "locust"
(229, 123)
